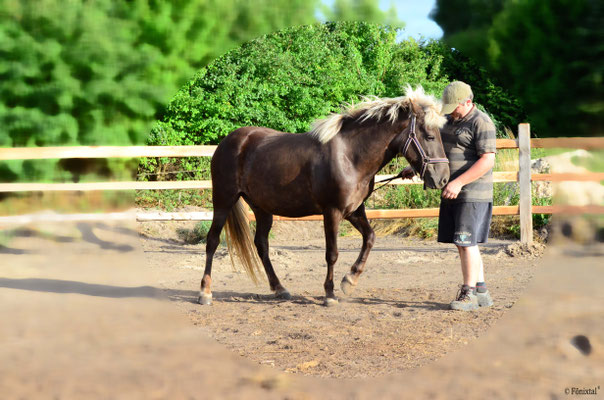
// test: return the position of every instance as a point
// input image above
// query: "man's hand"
(451, 191)
(478, 169)
(407, 173)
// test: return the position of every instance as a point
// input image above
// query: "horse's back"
(251, 140)
(244, 138)
(272, 169)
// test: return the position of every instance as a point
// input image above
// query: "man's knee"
(467, 249)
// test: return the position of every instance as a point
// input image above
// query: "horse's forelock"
(378, 108)
(433, 119)
(429, 104)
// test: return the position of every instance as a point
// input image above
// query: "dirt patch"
(396, 320)
(518, 249)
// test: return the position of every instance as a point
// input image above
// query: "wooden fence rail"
(39, 153)
(502, 176)
(525, 208)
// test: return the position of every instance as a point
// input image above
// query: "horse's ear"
(413, 108)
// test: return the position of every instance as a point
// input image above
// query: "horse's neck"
(370, 145)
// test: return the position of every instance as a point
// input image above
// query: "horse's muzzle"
(437, 176)
(430, 183)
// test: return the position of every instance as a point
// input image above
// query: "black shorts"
(464, 224)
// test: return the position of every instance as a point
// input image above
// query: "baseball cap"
(455, 93)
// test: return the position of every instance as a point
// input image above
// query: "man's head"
(457, 99)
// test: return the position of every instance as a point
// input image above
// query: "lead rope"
(399, 175)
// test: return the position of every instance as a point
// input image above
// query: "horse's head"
(410, 125)
(420, 143)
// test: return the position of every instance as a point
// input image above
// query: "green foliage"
(508, 194)
(283, 80)
(69, 75)
(505, 194)
(170, 200)
(505, 109)
(557, 72)
(595, 162)
(548, 53)
(541, 220)
(410, 196)
(46, 84)
(196, 235)
(202, 228)
(199, 233)
(6, 236)
(466, 23)
(514, 230)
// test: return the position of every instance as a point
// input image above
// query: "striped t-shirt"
(465, 140)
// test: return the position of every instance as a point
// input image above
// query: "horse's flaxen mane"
(325, 129)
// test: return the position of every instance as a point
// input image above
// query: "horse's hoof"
(330, 302)
(205, 299)
(347, 286)
(283, 294)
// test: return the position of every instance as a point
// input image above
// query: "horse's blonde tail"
(239, 241)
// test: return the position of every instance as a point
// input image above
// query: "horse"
(329, 170)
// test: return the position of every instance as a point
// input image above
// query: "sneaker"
(483, 296)
(466, 300)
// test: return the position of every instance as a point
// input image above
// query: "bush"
(196, 235)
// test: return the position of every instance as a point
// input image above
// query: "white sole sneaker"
(484, 299)
(470, 305)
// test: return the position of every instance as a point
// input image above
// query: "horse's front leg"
(359, 220)
(331, 222)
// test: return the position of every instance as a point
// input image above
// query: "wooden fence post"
(524, 182)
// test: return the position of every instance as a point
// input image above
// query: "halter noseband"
(425, 159)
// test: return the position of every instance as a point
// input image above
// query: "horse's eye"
(430, 138)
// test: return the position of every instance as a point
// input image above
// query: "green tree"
(548, 53)
(288, 79)
(68, 75)
(466, 23)
(505, 109)
(99, 72)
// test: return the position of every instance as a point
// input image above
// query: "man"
(467, 201)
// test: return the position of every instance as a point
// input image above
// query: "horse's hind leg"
(358, 219)
(212, 242)
(264, 222)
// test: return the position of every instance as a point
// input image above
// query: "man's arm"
(478, 169)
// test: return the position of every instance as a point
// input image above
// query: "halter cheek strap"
(425, 159)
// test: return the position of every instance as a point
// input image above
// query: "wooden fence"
(525, 208)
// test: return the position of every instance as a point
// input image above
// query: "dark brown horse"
(328, 171)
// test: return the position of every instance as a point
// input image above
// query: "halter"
(425, 159)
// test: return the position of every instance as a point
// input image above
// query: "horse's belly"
(287, 210)
(287, 201)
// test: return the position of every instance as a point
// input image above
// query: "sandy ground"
(396, 319)
(96, 311)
